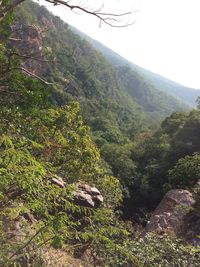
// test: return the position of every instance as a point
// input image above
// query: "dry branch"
(31, 74)
(108, 18)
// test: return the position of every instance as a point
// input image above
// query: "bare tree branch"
(14, 39)
(102, 16)
(108, 18)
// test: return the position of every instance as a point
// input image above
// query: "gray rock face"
(28, 40)
(170, 213)
(173, 215)
(58, 181)
(87, 196)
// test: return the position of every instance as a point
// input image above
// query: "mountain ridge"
(84, 74)
(181, 92)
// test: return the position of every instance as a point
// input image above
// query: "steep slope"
(157, 95)
(155, 102)
(185, 94)
(115, 105)
(80, 72)
(113, 57)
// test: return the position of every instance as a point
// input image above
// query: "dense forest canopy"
(66, 113)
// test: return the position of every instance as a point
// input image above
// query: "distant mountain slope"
(115, 101)
(114, 58)
(155, 102)
(186, 94)
(142, 81)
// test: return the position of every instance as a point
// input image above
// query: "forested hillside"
(98, 86)
(180, 92)
(80, 72)
(155, 102)
(82, 165)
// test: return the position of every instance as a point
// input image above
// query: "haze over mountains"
(183, 93)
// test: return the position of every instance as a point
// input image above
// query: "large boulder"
(87, 196)
(170, 214)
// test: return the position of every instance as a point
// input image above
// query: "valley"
(90, 145)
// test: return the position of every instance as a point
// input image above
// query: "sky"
(164, 38)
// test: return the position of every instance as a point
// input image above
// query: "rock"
(84, 194)
(21, 227)
(170, 214)
(87, 196)
(28, 41)
(58, 181)
(60, 258)
(30, 218)
(192, 228)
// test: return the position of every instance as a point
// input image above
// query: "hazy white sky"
(165, 37)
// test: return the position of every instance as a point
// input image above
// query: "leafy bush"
(185, 173)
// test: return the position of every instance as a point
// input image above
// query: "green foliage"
(43, 136)
(5, 22)
(185, 173)
(171, 125)
(155, 251)
(118, 157)
(143, 167)
(37, 142)
(34, 147)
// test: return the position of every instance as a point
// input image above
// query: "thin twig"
(100, 15)
(31, 57)
(27, 243)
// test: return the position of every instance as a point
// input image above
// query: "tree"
(185, 173)
(108, 18)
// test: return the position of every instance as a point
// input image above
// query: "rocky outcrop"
(175, 215)
(28, 41)
(170, 213)
(84, 194)
(87, 196)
